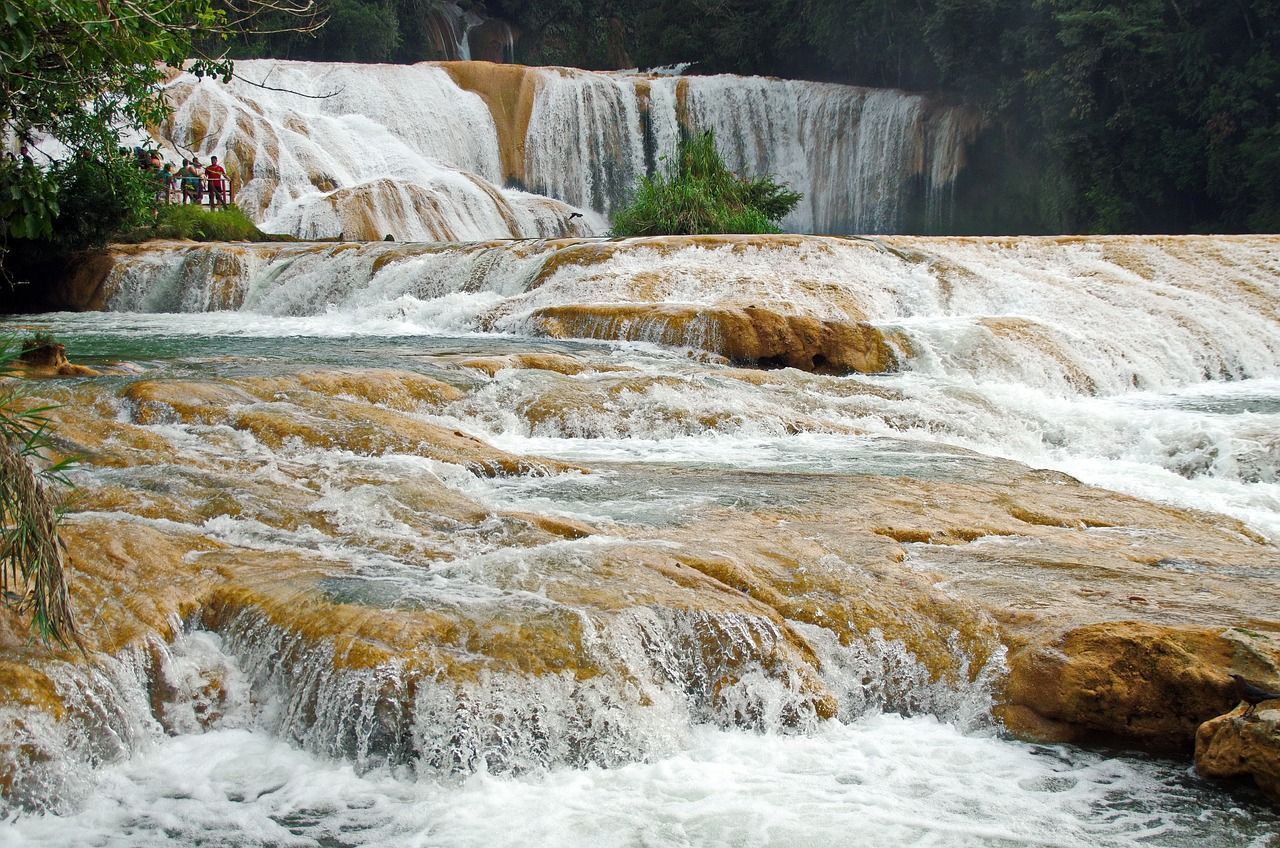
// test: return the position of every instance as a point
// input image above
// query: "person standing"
(217, 183)
(185, 186)
(170, 182)
(196, 173)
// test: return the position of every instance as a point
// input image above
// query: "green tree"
(350, 31)
(93, 200)
(80, 72)
(361, 31)
(1163, 100)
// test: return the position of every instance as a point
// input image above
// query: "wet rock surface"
(1237, 745)
(477, 544)
(748, 335)
(1105, 640)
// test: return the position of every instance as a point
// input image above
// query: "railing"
(211, 193)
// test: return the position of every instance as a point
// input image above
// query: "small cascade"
(584, 143)
(1108, 318)
(457, 34)
(312, 279)
(449, 27)
(670, 673)
(492, 40)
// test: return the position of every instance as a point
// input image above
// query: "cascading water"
(449, 27)
(373, 559)
(431, 152)
(858, 156)
(584, 143)
(1010, 350)
(358, 152)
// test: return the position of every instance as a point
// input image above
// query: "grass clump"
(189, 221)
(32, 570)
(703, 197)
(38, 340)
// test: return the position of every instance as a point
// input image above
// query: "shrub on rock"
(702, 196)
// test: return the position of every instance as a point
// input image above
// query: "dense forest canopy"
(1141, 116)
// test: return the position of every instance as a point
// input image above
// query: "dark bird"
(1252, 694)
(573, 215)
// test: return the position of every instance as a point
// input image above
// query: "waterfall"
(358, 151)
(585, 143)
(442, 152)
(858, 156)
(449, 27)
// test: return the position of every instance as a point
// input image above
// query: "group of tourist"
(24, 155)
(192, 181)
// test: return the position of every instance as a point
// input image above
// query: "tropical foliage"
(32, 578)
(353, 31)
(79, 72)
(74, 75)
(701, 195)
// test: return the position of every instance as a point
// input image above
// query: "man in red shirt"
(217, 183)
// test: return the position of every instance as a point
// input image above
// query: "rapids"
(1147, 365)
(514, 542)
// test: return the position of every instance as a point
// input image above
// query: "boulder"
(751, 335)
(1125, 682)
(1238, 745)
(49, 359)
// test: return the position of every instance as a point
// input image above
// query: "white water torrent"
(319, 150)
(585, 142)
(858, 156)
(514, 685)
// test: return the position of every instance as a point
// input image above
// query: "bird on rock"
(1252, 694)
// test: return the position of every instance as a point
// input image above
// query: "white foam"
(1180, 402)
(883, 780)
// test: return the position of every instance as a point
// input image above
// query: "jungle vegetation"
(1100, 116)
(74, 76)
(32, 576)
